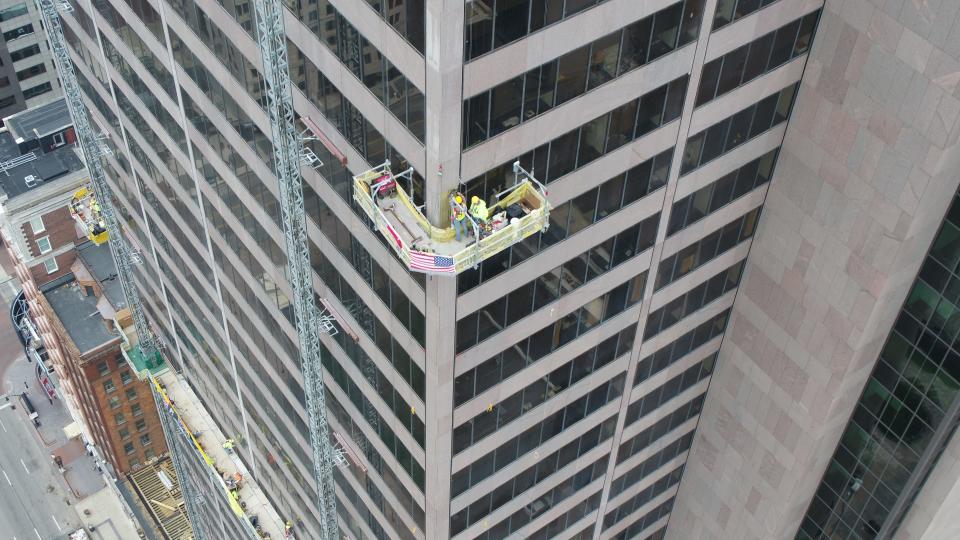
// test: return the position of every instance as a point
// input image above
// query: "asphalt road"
(33, 497)
(34, 501)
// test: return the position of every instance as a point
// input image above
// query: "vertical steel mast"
(287, 154)
(123, 256)
(92, 152)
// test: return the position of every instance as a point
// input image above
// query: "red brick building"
(86, 311)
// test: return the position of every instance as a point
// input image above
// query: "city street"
(34, 498)
(35, 501)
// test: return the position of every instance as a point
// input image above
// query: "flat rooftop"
(16, 169)
(78, 313)
(99, 260)
(40, 121)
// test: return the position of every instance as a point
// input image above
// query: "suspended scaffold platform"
(517, 213)
(86, 212)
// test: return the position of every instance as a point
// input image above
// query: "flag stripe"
(430, 262)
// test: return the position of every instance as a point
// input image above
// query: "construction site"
(472, 270)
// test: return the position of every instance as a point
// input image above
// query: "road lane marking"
(5, 405)
(7, 477)
(24, 466)
(36, 533)
(55, 522)
(3, 426)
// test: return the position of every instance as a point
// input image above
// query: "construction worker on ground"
(458, 217)
(228, 445)
(478, 209)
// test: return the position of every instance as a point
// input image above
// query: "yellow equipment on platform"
(434, 250)
(85, 209)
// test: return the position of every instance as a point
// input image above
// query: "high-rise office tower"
(555, 390)
(28, 77)
(834, 404)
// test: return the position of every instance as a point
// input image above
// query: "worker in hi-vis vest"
(478, 209)
(458, 217)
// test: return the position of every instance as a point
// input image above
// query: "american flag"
(431, 262)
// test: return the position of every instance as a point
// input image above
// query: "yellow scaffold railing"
(519, 211)
(85, 210)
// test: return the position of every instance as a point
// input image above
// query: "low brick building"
(40, 170)
(89, 318)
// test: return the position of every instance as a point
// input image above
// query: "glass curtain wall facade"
(907, 411)
(573, 365)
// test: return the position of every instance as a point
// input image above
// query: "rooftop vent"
(31, 180)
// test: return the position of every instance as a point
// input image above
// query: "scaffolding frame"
(287, 158)
(93, 150)
(90, 143)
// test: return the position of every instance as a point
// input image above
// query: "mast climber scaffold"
(288, 156)
(93, 152)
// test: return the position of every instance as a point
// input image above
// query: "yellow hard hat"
(459, 199)
(474, 199)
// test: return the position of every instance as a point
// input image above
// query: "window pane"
(757, 57)
(603, 64)
(724, 14)
(784, 104)
(476, 119)
(666, 30)
(572, 76)
(592, 138)
(733, 63)
(622, 121)
(548, 86)
(676, 93)
(691, 21)
(479, 29)
(563, 154)
(651, 111)
(531, 94)
(582, 211)
(807, 27)
(519, 304)
(600, 258)
(661, 170)
(511, 21)
(783, 44)
(764, 116)
(610, 195)
(739, 128)
(746, 7)
(635, 41)
(505, 105)
(713, 145)
(691, 153)
(638, 180)
(574, 274)
(708, 81)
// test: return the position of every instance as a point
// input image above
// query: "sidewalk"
(104, 515)
(21, 378)
(97, 503)
(81, 473)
